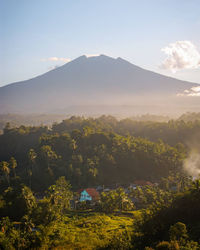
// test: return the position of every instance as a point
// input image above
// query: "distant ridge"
(94, 81)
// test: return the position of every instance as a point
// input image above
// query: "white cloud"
(54, 67)
(56, 59)
(91, 55)
(194, 91)
(181, 55)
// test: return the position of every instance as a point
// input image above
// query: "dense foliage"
(41, 170)
(91, 151)
(177, 221)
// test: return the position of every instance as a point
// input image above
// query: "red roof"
(92, 192)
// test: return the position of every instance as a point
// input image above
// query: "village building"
(88, 194)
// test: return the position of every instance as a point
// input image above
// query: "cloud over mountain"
(194, 91)
(181, 55)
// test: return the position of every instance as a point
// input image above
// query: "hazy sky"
(37, 35)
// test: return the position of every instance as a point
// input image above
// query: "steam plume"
(192, 164)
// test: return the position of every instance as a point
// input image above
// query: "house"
(106, 190)
(132, 186)
(100, 188)
(89, 194)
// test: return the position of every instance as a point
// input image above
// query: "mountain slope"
(100, 80)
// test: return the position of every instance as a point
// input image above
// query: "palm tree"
(13, 165)
(5, 169)
(31, 156)
(49, 155)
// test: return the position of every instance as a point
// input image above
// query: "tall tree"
(6, 170)
(31, 157)
(13, 165)
(48, 155)
(60, 194)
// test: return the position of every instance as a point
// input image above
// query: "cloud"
(194, 91)
(91, 55)
(181, 55)
(56, 59)
(54, 67)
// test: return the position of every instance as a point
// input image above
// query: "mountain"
(89, 82)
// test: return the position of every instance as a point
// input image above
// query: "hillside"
(96, 85)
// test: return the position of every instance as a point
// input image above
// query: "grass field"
(89, 230)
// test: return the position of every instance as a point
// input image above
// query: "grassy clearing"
(89, 230)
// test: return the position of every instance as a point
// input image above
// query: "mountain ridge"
(89, 80)
(102, 55)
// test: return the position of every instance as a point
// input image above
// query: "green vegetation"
(176, 223)
(91, 152)
(75, 231)
(42, 169)
(50, 222)
(115, 200)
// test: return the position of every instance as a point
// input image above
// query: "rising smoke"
(192, 164)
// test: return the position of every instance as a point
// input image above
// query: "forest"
(42, 169)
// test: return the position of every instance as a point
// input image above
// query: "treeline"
(184, 130)
(88, 152)
(29, 120)
(190, 116)
(171, 132)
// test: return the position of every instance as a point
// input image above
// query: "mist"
(192, 164)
